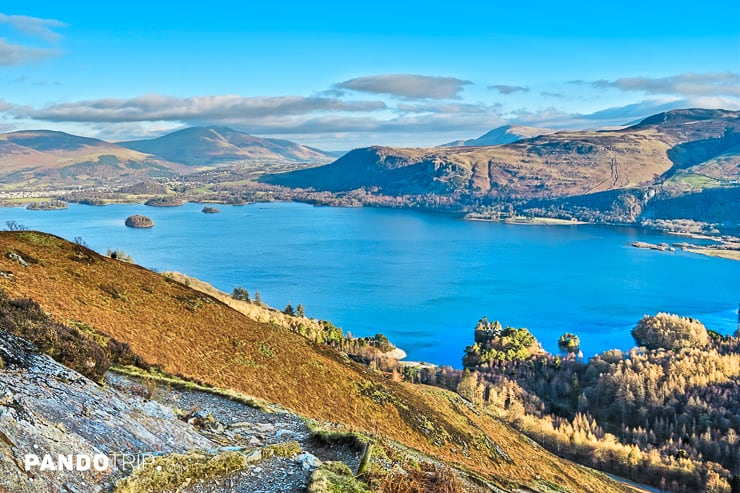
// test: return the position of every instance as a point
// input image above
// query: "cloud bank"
(408, 110)
(220, 108)
(688, 84)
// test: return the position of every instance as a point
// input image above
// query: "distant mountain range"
(56, 158)
(680, 164)
(678, 170)
(502, 135)
(559, 164)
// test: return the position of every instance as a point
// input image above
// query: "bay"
(422, 279)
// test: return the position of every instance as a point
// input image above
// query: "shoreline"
(726, 247)
(536, 221)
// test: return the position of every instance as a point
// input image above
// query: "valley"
(677, 171)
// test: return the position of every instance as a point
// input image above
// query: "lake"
(423, 279)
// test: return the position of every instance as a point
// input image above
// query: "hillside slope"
(194, 335)
(562, 164)
(212, 146)
(59, 159)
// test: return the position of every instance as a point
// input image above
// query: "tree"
(240, 293)
(299, 311)
(289, 309)
(569, 343)
(257, 297)
(13, 225)
(670, 332)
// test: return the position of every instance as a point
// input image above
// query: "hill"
(218, 146)
(192, 334)
(556, 165)
(605, 176)
(502, 135)
(58, 159)
(562, 164)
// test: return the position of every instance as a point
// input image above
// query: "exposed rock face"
(138, 221)
(46, 408)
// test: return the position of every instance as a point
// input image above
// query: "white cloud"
(687, 84)
(504, 89)
(407, 86)
(13, 54)
(34, 26)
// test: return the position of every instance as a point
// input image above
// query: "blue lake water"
(422, 279)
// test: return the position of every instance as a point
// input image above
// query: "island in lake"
(139, 221)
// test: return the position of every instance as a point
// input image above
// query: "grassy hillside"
(45, 158)
(561, 164)
(192, 334)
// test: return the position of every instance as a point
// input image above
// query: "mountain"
(194, 335)
(58, 158)
(502, 135)
(213, 146)
(562, 164)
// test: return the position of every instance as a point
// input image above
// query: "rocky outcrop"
(138, 221)
(48, 409)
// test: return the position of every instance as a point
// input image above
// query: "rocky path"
(230, 424)
(48, 409)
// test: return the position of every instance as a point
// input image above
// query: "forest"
(665, 413)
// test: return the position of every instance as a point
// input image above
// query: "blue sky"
(343, 75)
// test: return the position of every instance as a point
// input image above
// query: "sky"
(344, 75)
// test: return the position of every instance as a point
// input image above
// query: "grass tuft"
(335, 477)
(173, 471)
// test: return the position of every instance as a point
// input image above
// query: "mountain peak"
(44, 140)
(220, 145)
(505, 134)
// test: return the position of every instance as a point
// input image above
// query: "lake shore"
(373, 270)
(730, 254)
(537, 220)
(726, 247)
